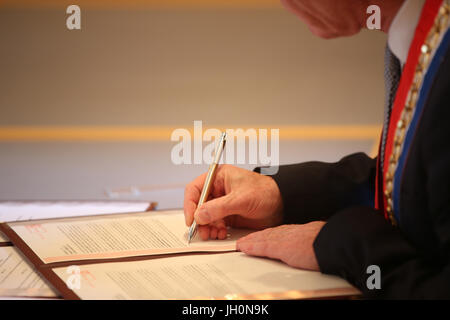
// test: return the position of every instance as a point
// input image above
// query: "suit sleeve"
(358, 237)
(316, 190)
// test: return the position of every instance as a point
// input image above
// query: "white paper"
(116, 236)
(22, 211)
(226, 275)
(18, 278)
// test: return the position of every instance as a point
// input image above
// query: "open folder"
(146, 256)
(18, 278)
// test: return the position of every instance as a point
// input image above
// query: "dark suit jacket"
(414, 258)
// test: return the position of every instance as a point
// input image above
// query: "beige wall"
(169, 67)
(156, 67)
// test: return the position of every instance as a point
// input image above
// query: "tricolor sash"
(429, 45)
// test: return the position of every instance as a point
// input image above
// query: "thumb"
(219, 208)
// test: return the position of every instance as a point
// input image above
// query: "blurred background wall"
(91, 110)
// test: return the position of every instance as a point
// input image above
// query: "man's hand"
(292, 244)
(239, 198)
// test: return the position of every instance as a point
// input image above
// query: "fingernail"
(203, 216)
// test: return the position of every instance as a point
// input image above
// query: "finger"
(221, 228)
(220, 208)
(222, 234)
(191, 196)
(213, 232)
(259, 244)
(189, 208)
(203, 231)
(215, 227)
(253, 248)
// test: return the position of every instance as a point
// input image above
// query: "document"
(18, 278)
(116, 236)
(201, 276)
(31, 210)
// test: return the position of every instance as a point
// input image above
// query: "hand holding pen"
(239, 198)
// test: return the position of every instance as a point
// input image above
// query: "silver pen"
(208, 182)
